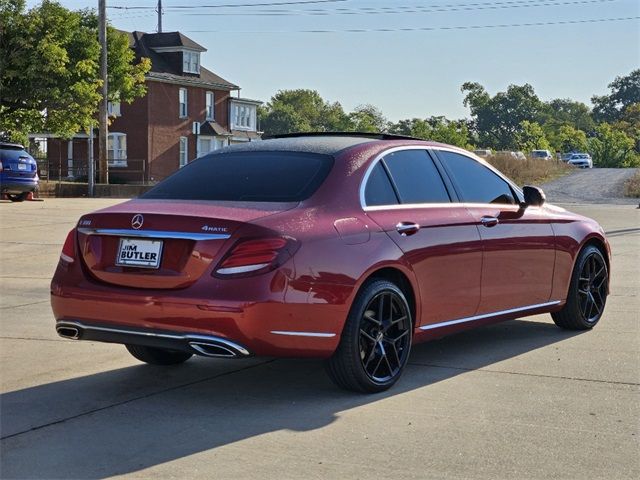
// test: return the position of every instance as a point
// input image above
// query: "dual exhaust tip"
(199, 345)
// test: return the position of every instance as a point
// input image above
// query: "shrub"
(529, 171)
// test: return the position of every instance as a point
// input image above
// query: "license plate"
(134, 252)
(22, 166)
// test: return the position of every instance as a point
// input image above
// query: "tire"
(376, 340)
(587, 292)
(158, 356)
(18, 197)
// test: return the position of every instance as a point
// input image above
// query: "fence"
(130, 171)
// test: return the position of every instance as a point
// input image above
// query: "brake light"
(250, 257)
(68, 253)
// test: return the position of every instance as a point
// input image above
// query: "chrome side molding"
(124, 232)
(431, 326)
(303, 334)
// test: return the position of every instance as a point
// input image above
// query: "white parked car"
(483, 152)
(582, 160)
(543, 154)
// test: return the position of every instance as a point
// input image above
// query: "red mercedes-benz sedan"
(345, 247)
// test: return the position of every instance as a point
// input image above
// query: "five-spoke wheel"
(376, 340)
(587, 292)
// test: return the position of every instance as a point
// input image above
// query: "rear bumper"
(205, 345)
(16, 186)
(261, 322)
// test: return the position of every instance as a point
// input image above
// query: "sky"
(406, 57)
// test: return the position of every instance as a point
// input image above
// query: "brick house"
(187, 112)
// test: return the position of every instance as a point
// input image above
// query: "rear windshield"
(247, 176)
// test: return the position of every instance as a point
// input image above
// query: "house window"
(209, 105)
(113, 109)
(244, 116)
(184, 151)
(117, 149)
(191, 62)
(183, 102)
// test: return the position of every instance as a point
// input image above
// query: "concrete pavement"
(522, 399)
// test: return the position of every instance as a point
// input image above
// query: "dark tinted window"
(475, 182)
(416, 177)
(379, 190)
(247, 176)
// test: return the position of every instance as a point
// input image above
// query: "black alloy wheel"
(587, 294)
(592, 287)
(385, 332)
(376, 339)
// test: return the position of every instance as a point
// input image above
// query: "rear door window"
(416, 177)
(247, 176)
(475, 182)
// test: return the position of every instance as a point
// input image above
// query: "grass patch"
(531, 171)
(632, 186)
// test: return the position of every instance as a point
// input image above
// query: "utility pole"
(159, 16)
(102, 114)
(91, 177)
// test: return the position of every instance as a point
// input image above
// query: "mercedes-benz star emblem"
(137, 221)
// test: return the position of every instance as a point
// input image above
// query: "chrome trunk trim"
(123, 232)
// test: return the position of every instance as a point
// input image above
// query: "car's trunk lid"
(162, 244)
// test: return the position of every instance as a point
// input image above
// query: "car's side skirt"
(485, 316)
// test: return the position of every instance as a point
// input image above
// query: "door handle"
(407, 228)
(488, 221)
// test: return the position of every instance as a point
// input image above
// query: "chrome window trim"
(403, 206)
(432, 326)
(123, 232)
(303, 334)
(427, 148)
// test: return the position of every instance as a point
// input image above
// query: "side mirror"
(533, 196)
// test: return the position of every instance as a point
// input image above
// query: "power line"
(228, 5)
(404, 10)
(426, 29)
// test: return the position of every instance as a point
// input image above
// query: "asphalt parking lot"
(522, 399)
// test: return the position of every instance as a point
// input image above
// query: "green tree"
(625, 91)
(498, 120)
(629, 123)
(438, 129)
(367, 118)
(613, 148)
(415, 127)
(302, 110)
(566, 138)
(531, 137)
(49, 69)
(564, 111)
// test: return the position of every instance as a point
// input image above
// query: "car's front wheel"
(376, 340)
(158, 356)
(587, 292)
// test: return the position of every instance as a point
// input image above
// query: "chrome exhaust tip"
(209, 349)
(66, 331)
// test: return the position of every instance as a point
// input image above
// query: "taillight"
(68, 253)
(250, 257)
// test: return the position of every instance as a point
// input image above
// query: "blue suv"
(18, 172)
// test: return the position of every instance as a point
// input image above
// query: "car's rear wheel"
(18, 197)
(376, 340)
(587, 292)
(158, 356)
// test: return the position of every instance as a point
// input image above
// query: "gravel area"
(595, 185)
